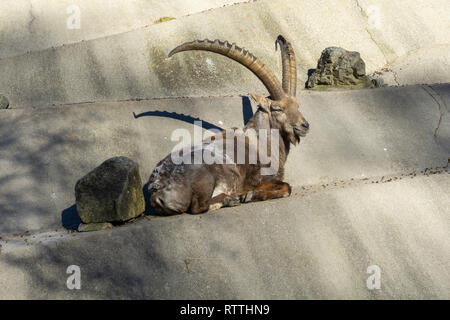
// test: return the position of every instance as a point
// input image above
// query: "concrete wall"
(34, 25)
(316, 246)
(370, 180)
(134, 64)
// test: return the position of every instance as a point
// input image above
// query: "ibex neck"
(261, 120)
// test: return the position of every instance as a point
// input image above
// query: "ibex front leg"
(271, 189)
(223, 200)
(267, 190)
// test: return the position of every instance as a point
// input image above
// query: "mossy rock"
(338, 68)
(112, 192)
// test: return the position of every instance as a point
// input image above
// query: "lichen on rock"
(163, 19)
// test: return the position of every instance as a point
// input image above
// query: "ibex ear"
(262, 102)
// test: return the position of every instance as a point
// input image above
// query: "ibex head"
(282, 105)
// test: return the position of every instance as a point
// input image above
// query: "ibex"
(196, 188)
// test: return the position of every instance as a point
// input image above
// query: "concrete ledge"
(29, 25)
(135, 65)
(317, 246)
(361, 134)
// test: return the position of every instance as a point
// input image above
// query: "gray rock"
(4, 103)
(112, 192)
(340, 68)
(94, 226)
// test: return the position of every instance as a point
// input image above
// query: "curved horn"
(240, 55)
(289, 67)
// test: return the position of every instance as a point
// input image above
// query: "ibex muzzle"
(177, 188)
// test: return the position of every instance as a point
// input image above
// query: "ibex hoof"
(214, 207)
(247, 197)
(231, 202)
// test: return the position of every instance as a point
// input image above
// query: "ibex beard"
(181, 183)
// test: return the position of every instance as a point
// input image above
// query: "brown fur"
(190, 187)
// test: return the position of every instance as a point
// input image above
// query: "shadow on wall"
(118, 275)
(247, 110)
(26, 158)
(247, 113)
(310, 72)
(186, 118)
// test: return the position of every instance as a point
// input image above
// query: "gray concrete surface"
(354, 135)
(312, 246)
(370, 180)
(33, 25)
(425, 65)
(134, 64)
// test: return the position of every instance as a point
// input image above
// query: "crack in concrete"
(434, 94)
(394, 73)
(188, 261)
(395, 76)
(12, 241)
(386, 69)
(340, 184)
(224, 6)
(383, 48)
(364, 14)
(361, 9)
(32, 18)
(126, 100)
